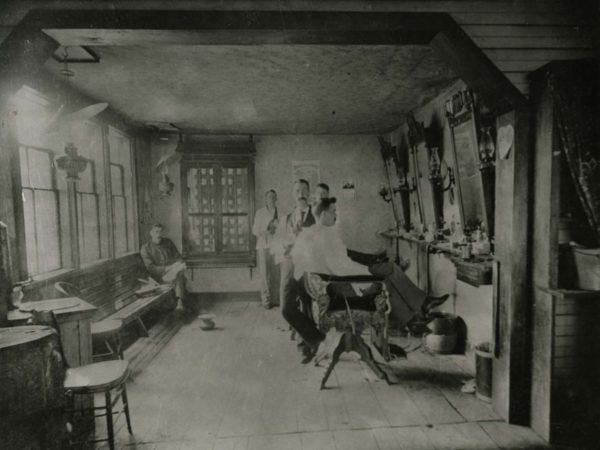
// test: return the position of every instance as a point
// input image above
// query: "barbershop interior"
(299, 225)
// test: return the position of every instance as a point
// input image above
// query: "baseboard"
(228, 296)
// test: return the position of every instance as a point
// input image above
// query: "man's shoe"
(433, 302)
(310, 351)
(309, 356)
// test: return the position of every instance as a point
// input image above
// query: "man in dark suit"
(159, 255)
(301, 217)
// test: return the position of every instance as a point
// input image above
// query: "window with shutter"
(218, 204)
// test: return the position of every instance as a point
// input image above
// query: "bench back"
(109, 285)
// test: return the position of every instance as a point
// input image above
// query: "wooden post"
(511, 378)
(545, 255)
(73, 222)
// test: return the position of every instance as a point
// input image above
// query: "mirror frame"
(416, 135)
(461, 110)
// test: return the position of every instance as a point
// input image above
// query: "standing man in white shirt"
(266, 222)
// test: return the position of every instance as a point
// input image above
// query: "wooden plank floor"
(242, 387)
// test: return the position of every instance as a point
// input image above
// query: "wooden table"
(75, 328)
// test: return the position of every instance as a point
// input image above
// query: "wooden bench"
(137, 308)
(110, 286)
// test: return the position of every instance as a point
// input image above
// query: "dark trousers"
(406, 298)
(304, 325)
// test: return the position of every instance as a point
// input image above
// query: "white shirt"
(320, 249)
(261, 221)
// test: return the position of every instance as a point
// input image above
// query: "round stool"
(108, 333)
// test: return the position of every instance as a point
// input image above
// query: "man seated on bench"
(164, 262)
(320, 249)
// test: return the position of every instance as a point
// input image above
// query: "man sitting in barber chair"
(320, 249)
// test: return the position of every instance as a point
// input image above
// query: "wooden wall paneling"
(456, 48)
(543, 329)
(528, 31)
(508, 17)
(573, 396)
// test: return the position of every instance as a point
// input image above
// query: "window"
(218, 204)
(91, 201)
(39, 189)
(102, 198)
(121, 176)
(41, 210)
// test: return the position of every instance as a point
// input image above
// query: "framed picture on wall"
(309, 170)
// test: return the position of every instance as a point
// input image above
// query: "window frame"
(132, 241)
(240, 156)
(79, 194)
(54, 189)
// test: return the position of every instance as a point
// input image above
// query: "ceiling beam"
(117, 27)
(130, 37)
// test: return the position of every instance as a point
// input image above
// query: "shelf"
(476, 271)
(575, 294)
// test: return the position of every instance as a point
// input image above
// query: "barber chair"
(351, 315)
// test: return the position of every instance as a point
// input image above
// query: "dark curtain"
(574, 87)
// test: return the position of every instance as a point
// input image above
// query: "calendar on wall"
(218, 206)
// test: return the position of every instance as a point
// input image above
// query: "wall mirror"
(418, 160)
(461, 115)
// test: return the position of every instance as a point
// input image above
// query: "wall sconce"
(437, 178)
(165, 185)
(385, 193)
(435, 171)
(487, 149)
(71, 163)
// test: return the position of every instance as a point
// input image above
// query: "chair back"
(67, 289)
(316, 287)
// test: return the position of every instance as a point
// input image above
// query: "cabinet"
(566, 364)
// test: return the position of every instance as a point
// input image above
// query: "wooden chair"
(107, 377)
(351, 322)
(105, 333)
